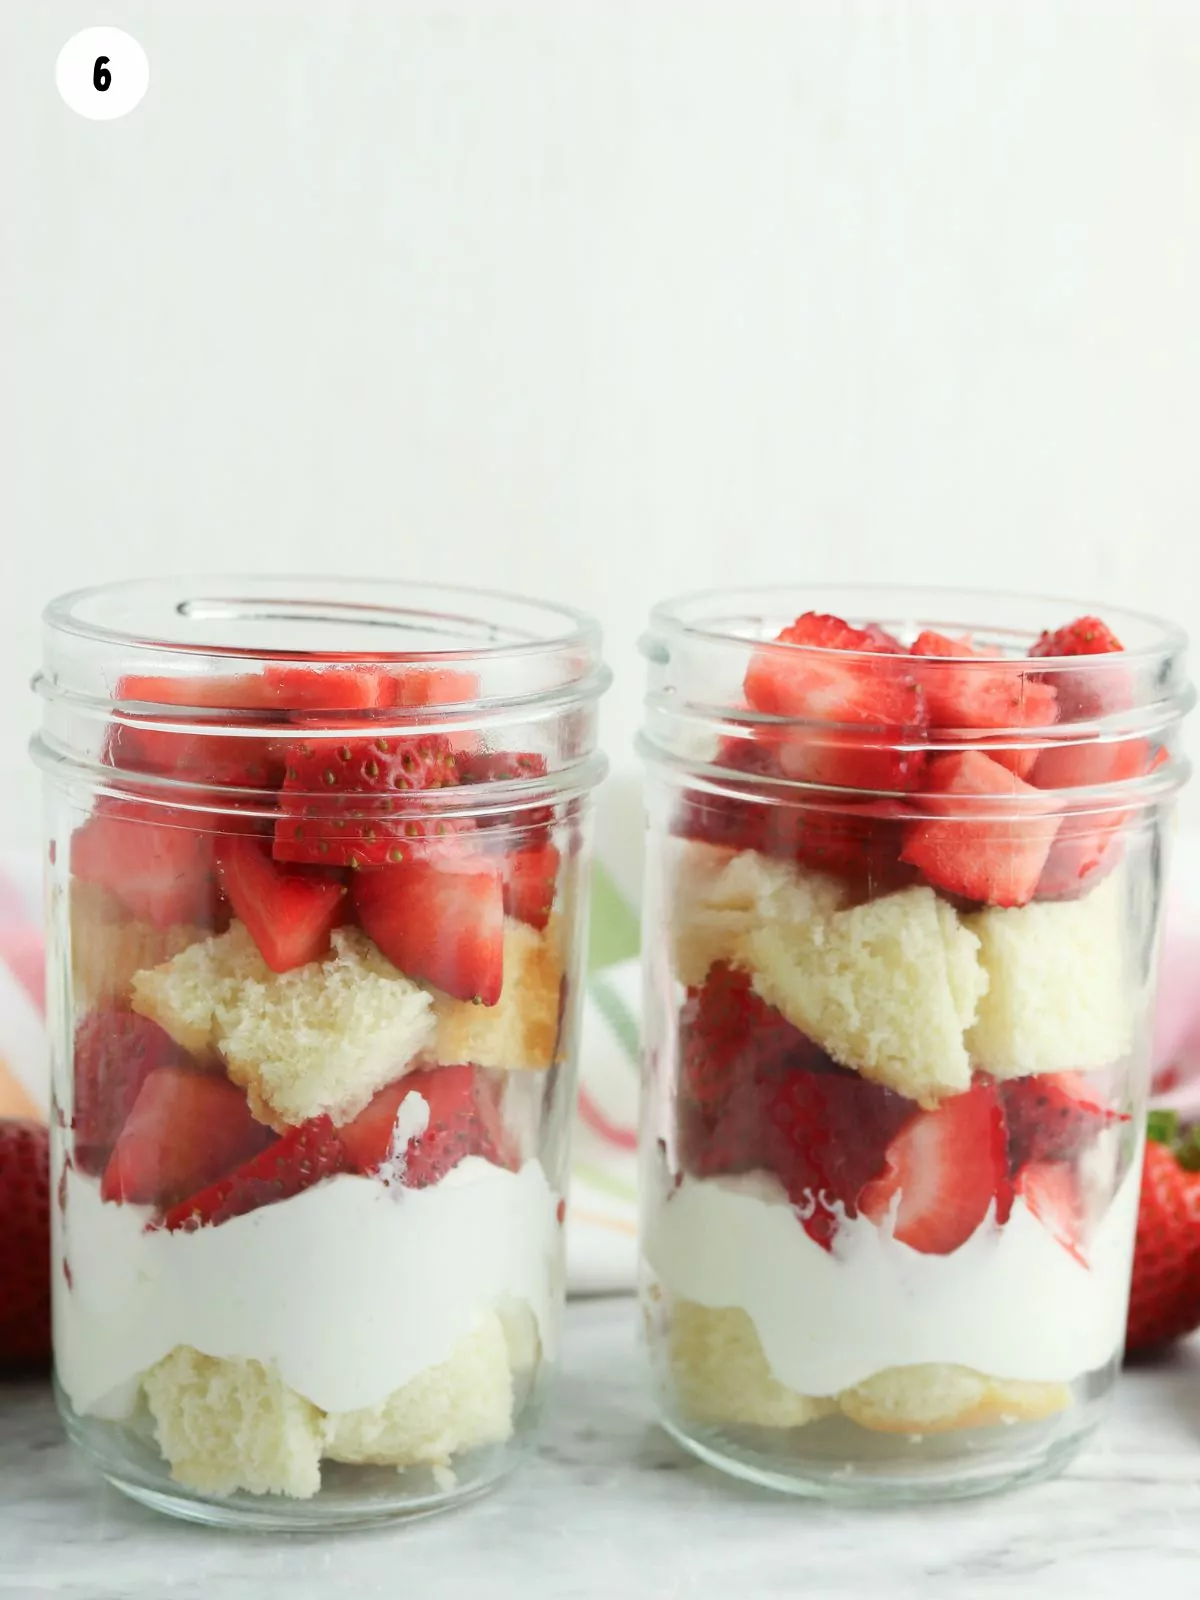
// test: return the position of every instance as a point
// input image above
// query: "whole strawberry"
(24, 1245)
(1165, 1301)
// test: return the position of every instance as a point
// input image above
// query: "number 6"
(101, 76)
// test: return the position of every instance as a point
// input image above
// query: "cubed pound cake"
(887, 988)
(320, 1038)
(520, 1032)
(462, 1404)
(719, 897)
(229, 1425)
(108, 946)
(939, 1398)
(1058, 985)
(721, 1374)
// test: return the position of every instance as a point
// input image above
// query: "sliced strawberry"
(289, 911)
(302, 1157)
(115, 1052)
(862, 702)
(987, 856)
(160, 873)
(367, 819)
(740, 824)
(1052, 1117)
(530, 883)
(248, 692)
(186, 1129)
(828, 1135)
(500, 766)
(1051, 1191)
(443, 923)
(943, 1171)
(434, 686)
(304, 691)
(1086, 636)
(463, 1121)
(976, 698)
(1087, 844)
(729, 1036)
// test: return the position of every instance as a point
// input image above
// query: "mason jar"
(317, 858)
(904, 892)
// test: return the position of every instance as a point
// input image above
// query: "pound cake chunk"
(1058, 991)
(887, 988)
(230, 1425)
(108, 946)
(940, 1398)
(721, 1374)
(463, 1403)
(520, 1032)
(321, 1038)
(719, 898)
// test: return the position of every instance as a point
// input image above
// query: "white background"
(602, 301)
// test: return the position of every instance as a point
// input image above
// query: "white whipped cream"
(1011, 1302)
(351, 1288)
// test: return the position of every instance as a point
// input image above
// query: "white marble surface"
(611, 1508)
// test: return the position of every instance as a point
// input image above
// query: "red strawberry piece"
(983, 693)
(160, 872)
(729, 1036)
(288, 1166)
(992, 854)
(289, 911)
(943, 1171)
(463, 1121)
(1052, 1117)
(115, 1052)
(24, 1245)
(1051, 1191)
(204, 752)
(434, 686)
(442, 923)
(306, 691)
(862, 703)
(505, 766)
(1165, 1300)
(1086, 636)
(827, 1136)
(1087, 844)
(348, 803)
(881, 640)
(733, 821)
(530, 883)
(186, 1130)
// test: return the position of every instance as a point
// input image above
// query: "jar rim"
(671, 617)
(314, 599)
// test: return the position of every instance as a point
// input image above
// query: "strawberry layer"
(351, 1289)
(1011, 1302)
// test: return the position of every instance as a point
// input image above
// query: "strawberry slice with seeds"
(439, 922)
(1088, 844)
(1051, 1191)
(304, 692)
(837, 675)
(530, 883)
(289, 912)
(186, 1129)
(1052, 1117)
(302, 1157)
(942, 1172)
(1086, 693)
(115, 1052)
(974, 698)
(160, 873)
(1086, 636)
(348, 803)
(994, 855)
(729, 1036)
(434, 686)
(463, 1120)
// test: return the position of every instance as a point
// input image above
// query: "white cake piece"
(462, 1404)
(320, 1038)
(718, 897)
(1059, 987)
(887, 988)
(938, 1398)
(721, 1374)
(108, 946)
(230, 1425)
(520, 1032)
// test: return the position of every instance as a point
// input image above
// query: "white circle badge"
(102, 73)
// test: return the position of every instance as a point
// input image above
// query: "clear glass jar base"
(835, 1461)
(350, 1496)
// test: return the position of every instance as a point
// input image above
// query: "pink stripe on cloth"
(23, 952)
(592, 1117)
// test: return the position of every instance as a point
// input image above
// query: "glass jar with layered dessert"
(904, 893)
(317, 859)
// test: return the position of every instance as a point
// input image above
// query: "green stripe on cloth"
(614, 933)
(603, 1181)
(618, 1016)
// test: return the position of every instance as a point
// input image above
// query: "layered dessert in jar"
(312, 1098)
(902, 920)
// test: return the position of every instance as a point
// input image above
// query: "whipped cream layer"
(351, 1288)
(1011, 1302)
